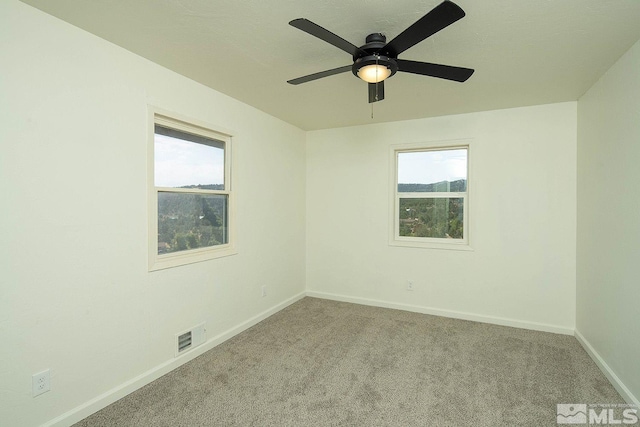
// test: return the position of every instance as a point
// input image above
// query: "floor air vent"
(190, 339)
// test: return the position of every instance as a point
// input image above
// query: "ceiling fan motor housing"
(370, 54)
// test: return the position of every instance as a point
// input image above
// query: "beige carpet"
(326, 363)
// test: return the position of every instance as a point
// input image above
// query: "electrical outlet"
(409, 285)
(41, 383)
(264, 290)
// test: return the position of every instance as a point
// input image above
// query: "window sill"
(161, 262)
(462, 246)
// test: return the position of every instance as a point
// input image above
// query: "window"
(430, 196)
(190, 205)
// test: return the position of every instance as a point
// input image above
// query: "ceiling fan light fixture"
(374, 73)
(374, 68)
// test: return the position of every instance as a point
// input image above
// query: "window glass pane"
(432, 171)
(184, 160)
(432, 217)
(190, 221)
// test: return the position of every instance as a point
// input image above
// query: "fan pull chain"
(376, 86)
(377, 69)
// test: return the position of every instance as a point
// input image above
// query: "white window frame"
(394, 203)
(175, 259)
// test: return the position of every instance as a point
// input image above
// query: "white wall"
(523, 214)
(608, 289)
(76, 296)
(75, 293)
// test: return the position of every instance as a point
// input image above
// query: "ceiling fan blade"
(376, 92)
(324, 34)
(441, 16)
(321, 74)
(448, 72)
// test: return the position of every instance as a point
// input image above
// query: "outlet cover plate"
(41, 382)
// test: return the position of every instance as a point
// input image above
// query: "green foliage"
(431, 217)
(180, 242)
(190, 221)
(193, 241)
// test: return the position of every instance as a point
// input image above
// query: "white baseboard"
(445, 313)
(607, 371)
(105, 399)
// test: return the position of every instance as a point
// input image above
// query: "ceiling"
(525, 52)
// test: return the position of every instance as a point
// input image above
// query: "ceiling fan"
(377, 60)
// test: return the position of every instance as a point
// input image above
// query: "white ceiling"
(525, 52)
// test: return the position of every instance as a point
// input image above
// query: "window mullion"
(441, 195)
(191, 190)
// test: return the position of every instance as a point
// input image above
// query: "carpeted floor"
(327, 363)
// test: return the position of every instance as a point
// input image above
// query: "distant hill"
(459, 185)
(206, 187)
